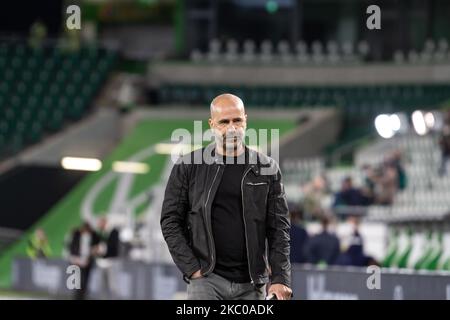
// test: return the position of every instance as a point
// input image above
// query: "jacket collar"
(252, 156)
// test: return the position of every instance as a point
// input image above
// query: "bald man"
(226, 221)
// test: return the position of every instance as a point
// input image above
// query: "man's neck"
(233, 153)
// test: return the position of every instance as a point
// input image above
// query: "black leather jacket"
(186, 216)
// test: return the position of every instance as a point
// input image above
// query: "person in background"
(38, 246)
(396, 160)
(83, 248)
(387, 184)
(369, 184)
(444, 144)
(109, 239)
(350, 196)
(38, 33)
(354, 254)
(314, 194)
(299, 236)
(323, 248)
(108, 252)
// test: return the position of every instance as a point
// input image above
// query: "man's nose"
(231, 127)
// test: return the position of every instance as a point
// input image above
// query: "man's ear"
(210, 123)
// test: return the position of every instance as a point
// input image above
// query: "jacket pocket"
(197, 234)
(255, 197)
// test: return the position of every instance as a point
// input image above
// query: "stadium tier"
(43, 88)
(357, 100)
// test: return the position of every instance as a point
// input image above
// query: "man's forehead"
(230, 112)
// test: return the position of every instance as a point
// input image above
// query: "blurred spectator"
(38, 33)
(108, 252)
(299, 236)
(387, 184)
(109, 239)
(314, 193)
(368, 189)
(444, 144)
(350, 196)
(354, 255)
(323, 248)
(82, 250)
(38, 246)
(396, 160)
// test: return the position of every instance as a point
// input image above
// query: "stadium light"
(430, 120)
(83, 164)
(386, 124)
(130, 167)
(419, 123)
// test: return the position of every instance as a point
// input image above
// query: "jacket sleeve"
(278, 232)
(173, 220)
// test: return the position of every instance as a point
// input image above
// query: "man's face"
(228, 124)
(40, 234)
(102, 224)
(347, 184)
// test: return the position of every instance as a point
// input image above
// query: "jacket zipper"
(208, 226)
(256, 183)
(245, 225)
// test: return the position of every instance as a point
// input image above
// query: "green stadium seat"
(2, 142)
(38, 89)
(16, 143)
(4, 89)
(70, 91)
(44, 77)
(42, 116)
(17, 62)
(54, 89)
(35, 133)
(9, 75)
(4, 127)
(63, 104)
(16, 102)
(4, 49)
(20, 50)
(49, 65)
(34, 64)
(55, 121)
(77, 78)
(3, 62)
(61, 77)
(76, 109)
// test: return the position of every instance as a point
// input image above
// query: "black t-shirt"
(228, 225)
